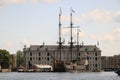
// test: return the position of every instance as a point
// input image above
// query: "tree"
(5, 59)
(20, 58)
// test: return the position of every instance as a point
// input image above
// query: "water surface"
(60, 76)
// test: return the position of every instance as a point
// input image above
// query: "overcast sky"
(31, 22)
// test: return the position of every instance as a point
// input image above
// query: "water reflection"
(60, 76)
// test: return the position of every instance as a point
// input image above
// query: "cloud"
(10, 46)
(100, 16)
(7, 2)
(117, 30)
(96, 15)
(117, 16)
(111, 36)
(50, 1)
(26, 42)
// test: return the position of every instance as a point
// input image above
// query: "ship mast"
(60, 41)
(71, 37)
(77, 41)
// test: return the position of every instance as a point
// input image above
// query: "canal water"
(59, 76)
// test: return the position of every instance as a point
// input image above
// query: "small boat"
(73, 71)
(118, 72)
(20, 70)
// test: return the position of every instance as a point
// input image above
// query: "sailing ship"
(72, 65)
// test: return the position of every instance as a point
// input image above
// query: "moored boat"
(118, 72)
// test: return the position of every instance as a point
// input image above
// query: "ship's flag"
(97, 43)
(72, 10)
(78, 31)
(63, 40)
(86, 54)
(86, 58)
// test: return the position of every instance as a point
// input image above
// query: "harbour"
(59, 76)
(59, 40)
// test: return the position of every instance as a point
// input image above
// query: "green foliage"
(20, 58)
(5, 58)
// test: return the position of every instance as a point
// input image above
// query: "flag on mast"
(72, 10)
(97, 43)
(78, 31)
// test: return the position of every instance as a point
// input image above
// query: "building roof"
(65, 47)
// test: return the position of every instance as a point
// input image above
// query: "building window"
(37, 49)
(39, 58)
(94, 49)
(48, 59)
(87, 58)
(30, 53)
(30, 58)
(95, 53)
(48, 54)
(79, 53)
(39, 54)
(95, 65)
(96, 59)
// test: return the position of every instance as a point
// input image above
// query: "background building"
(114, 62)
(105, 65)
(111, 63)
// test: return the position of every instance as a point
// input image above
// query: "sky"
(32, 22)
